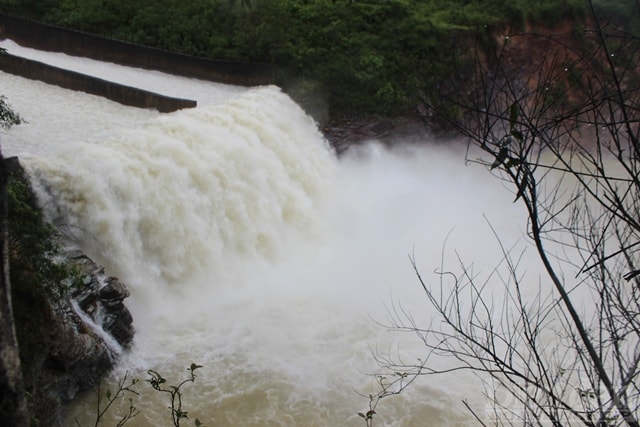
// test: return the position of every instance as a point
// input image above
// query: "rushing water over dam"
(250, 249)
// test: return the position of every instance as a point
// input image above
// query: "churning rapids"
(251, 249)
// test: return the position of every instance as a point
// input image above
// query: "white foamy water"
(252, 250)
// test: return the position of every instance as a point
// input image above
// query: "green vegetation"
(8, 117)
(33, 243)
(107, 398)
(364, 56)
(158, 382)
(35, 277)
(620, 13)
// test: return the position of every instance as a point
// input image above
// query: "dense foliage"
(8, 117)
(365, 56)
(36, 279)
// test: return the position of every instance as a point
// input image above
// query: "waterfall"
(173, 196)
(113, 346)
(250, 249)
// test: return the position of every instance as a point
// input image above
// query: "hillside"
(340, 58)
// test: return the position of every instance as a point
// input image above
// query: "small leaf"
(630, 275)
(521, 188)
(517, 134)
(108, 394)
(512, 162)
(505, 141)
(500, 158)
(513, 115)
(180, 414)
(194, 367)
(361, 414)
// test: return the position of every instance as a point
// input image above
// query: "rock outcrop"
(70, 320)
(101, 298)
(82, 340)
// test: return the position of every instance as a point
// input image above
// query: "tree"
(8, 117)
(13, 406)
(560, 127)
(245, 5)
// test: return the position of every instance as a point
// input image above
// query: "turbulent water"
(250, 249)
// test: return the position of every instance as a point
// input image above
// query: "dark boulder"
(82, 338)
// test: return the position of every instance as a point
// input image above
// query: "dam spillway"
(249, 248)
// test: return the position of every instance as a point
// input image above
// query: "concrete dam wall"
(126, 95)
(55, 39)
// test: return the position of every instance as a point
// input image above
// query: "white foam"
(250, 249)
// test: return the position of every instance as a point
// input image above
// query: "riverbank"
(411, 128)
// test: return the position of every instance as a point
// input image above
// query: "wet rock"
(102, 298)
(113, 293)
(348, 132)
(116, 318)
(78, 339)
